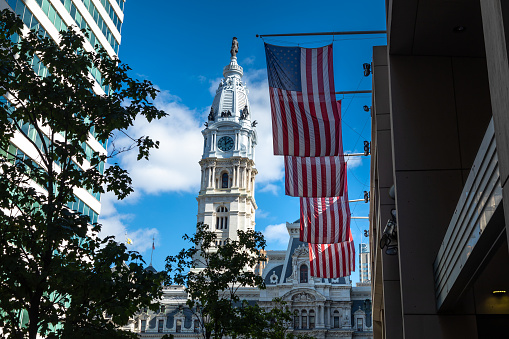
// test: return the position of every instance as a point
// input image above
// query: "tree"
(213, 275)
(273, 323)
(57, 277)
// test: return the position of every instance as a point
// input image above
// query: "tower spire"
(226, 200)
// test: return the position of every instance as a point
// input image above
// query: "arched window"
(311, 319)
(224, 180)
(304, 319)
(336, 319)
(296, 319)
(304, 274)
(221, 218)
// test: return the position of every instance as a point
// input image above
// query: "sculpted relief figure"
(235, 47)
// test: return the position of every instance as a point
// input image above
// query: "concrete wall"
(382, 155)
(440, 108)
(495, 15)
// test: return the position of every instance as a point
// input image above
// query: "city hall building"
(321, 308)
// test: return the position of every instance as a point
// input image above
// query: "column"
(348, 317)
(237, 175)
(328, 317)
(320, 314)
(243, 177)
(213, 176)
(207, 174)
(248, 179)
(234, 175)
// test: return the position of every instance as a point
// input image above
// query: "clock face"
(225, 143)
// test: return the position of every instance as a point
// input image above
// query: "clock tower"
(226, 200)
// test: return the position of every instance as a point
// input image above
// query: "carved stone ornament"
(303, 297)
(301, 250)
(273, 277)
(211, 114)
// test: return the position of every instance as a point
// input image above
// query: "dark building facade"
(440, 166)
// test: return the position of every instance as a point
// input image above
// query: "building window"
(160, 325)
(311, 319)
(224, 180)
(179, 326)
(304, 319)
(143, 325)
(304, 274)
(196, 326)
(222, 218)
(296, 319)
(336, 319)
(359, 324)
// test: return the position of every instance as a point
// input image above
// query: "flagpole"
(322, 33)
(152, 253)
(355, 92)
(355, 155)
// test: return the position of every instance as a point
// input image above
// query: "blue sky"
(182, 48)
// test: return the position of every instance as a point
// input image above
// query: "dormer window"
(304, 274)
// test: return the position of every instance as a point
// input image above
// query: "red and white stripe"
(324, 220)
(332, 260)
(315, 176)
(308, 123)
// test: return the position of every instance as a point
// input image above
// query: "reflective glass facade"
(96, 23)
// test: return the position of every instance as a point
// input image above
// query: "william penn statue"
(235, 47)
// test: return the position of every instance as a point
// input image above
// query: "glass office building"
(103, 20)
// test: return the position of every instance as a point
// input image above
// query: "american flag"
(315, 176)
(324, 220)
(305, 115)
(332, 260)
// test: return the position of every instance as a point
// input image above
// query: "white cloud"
(270, 188)
(353, 162)
(248, 61)
(214, 84)
(270, 167)
(261, 214)
(117, 225)
(276, 235)
(172, 167)
(202, 78)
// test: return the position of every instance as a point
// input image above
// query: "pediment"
(303, 295)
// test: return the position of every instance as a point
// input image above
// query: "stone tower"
(226, 200)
